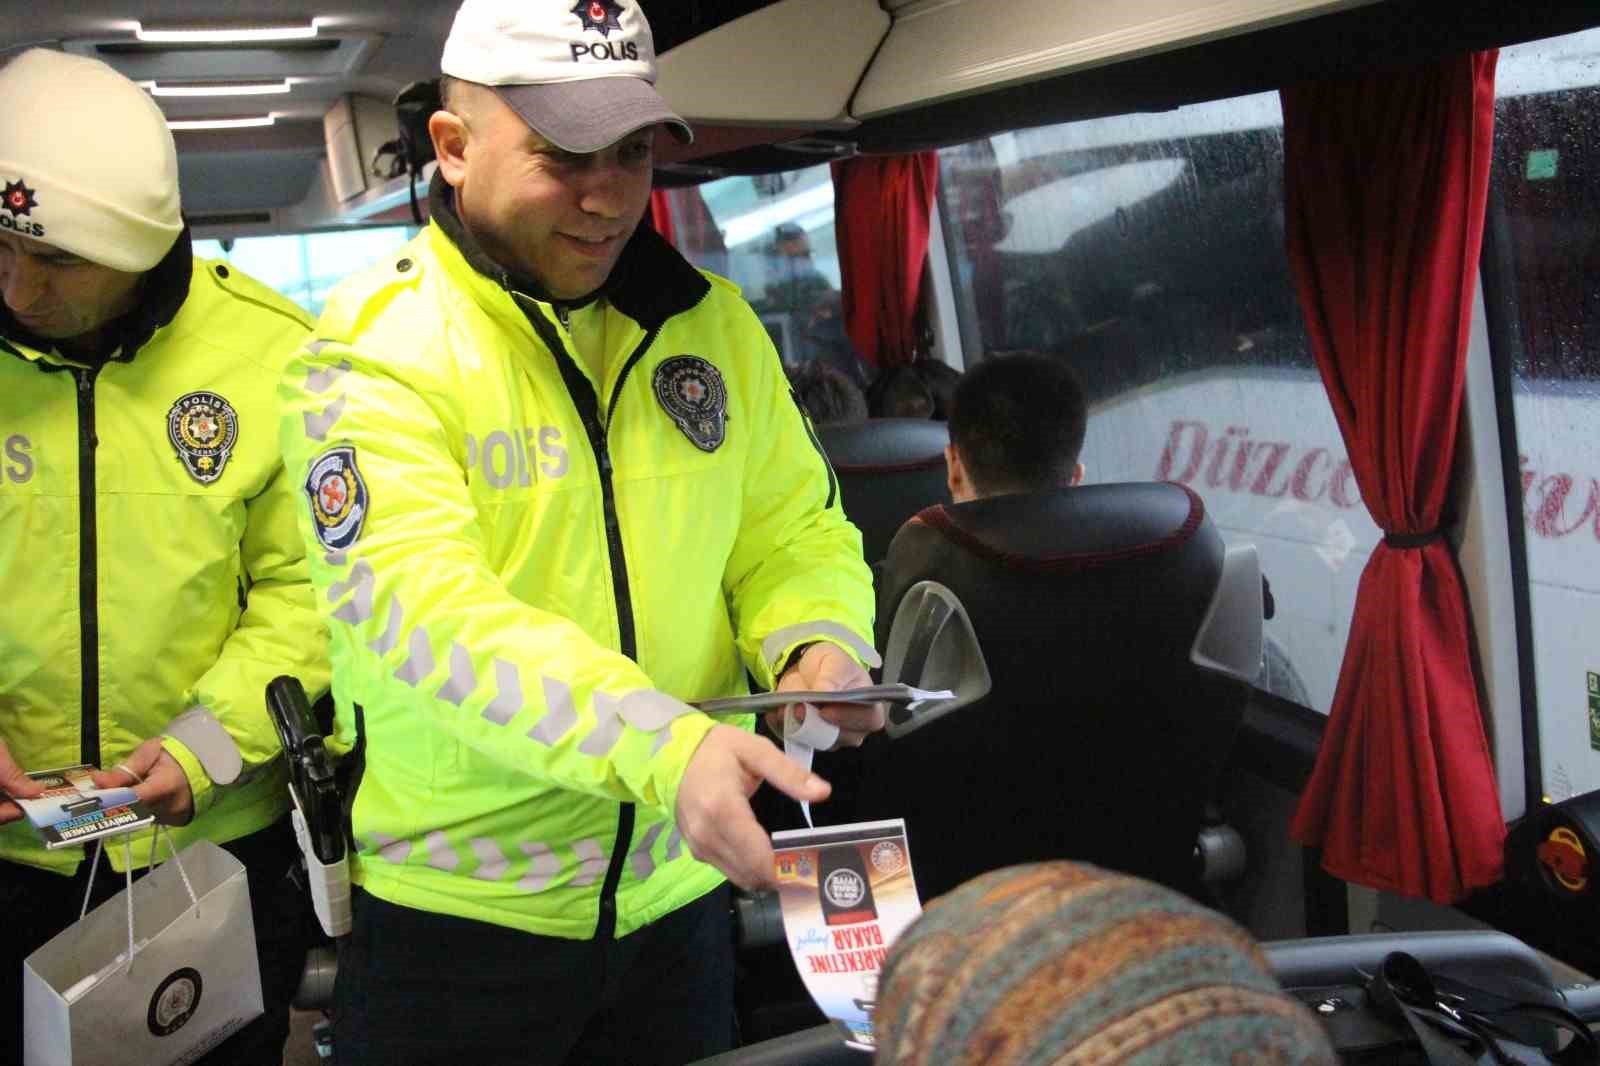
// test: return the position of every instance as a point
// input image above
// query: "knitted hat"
(87, 160)
(1064, 963)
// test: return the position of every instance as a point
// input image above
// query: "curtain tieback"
(1413, 540)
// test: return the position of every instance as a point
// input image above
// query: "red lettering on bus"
(1169, 454)
(1303, 472)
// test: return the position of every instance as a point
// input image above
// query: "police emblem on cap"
(602, 16)
(203, 428)
(338, 498)
(691, 391)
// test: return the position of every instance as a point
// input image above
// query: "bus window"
(306, 266)
(773, 236)
(1148, 251)
(1543, 255)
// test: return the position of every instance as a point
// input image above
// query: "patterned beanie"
(1065, 963)
(87, 161)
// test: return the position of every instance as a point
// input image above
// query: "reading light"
(219, 123)
(225, 34)
(237, 88)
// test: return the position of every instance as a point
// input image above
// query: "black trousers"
(420, 988)
(36, 905)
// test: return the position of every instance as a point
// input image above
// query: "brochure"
(847, 891)
(762, 701)
(72, 811)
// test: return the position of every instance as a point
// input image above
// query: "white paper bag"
(193, 981)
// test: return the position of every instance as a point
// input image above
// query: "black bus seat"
(1120, 637)
(888, 470)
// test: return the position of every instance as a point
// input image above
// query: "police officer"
(153, 581)
(556, 486)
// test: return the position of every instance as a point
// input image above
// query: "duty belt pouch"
(159, 974)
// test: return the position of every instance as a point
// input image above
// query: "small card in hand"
(72, 811)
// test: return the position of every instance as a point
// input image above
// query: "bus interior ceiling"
(277, 178)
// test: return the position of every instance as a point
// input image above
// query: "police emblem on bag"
(203, 427)
(692, 393)
(338, 498)
(175, 1001)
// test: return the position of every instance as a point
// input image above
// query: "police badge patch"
(338, 498)
(691, 391)
(203, 428)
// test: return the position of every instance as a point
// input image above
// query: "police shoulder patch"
(338, 498)
(694, 396)
(203, 427)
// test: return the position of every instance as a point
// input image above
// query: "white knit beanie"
(87, 161)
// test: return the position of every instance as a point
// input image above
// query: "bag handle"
(1404, 987)
(127, 869)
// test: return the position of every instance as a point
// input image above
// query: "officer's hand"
(825, 667)
(13, 782)
(157, 779)
(714, 813)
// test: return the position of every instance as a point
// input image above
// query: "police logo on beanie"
(19, 200)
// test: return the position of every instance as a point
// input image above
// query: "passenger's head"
(1059, 962)
(90, 197)
(900, 392)
(827, 395)
(1016, 425)
(548, 133)
(941, 379)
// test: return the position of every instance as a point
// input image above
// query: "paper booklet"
(72, 811)
(763, 701)
(847, 891)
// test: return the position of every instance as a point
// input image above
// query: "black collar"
(651, 282)
(162, 291)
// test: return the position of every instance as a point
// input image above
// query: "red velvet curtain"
(1385, 182)
(881, 209)
(661, 213)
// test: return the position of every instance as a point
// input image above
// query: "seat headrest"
(885, 445)
(889, 469)
(1072, 528)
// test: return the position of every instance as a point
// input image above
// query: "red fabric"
(661, 213)
(1385, 182)
(881, 209)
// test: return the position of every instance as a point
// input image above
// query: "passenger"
(556, 486)
(900, 392)
(154, 580)
(1065, 962)
(828, 396)
(1017, 424)
(798, 285)
(941, 379)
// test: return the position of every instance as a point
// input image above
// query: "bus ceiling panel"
(1345, 43)
(782, 65)
(939, 49)
(216, 182)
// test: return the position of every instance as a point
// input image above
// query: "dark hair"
(900, 392)
(941, 379)
(1018, 422)
(827, 395)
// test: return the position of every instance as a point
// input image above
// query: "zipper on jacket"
(588, 405)
(88, 600)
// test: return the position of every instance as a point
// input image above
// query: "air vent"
(231, 218)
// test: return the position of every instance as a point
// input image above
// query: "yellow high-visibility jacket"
(527, 569)
(152, 580)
